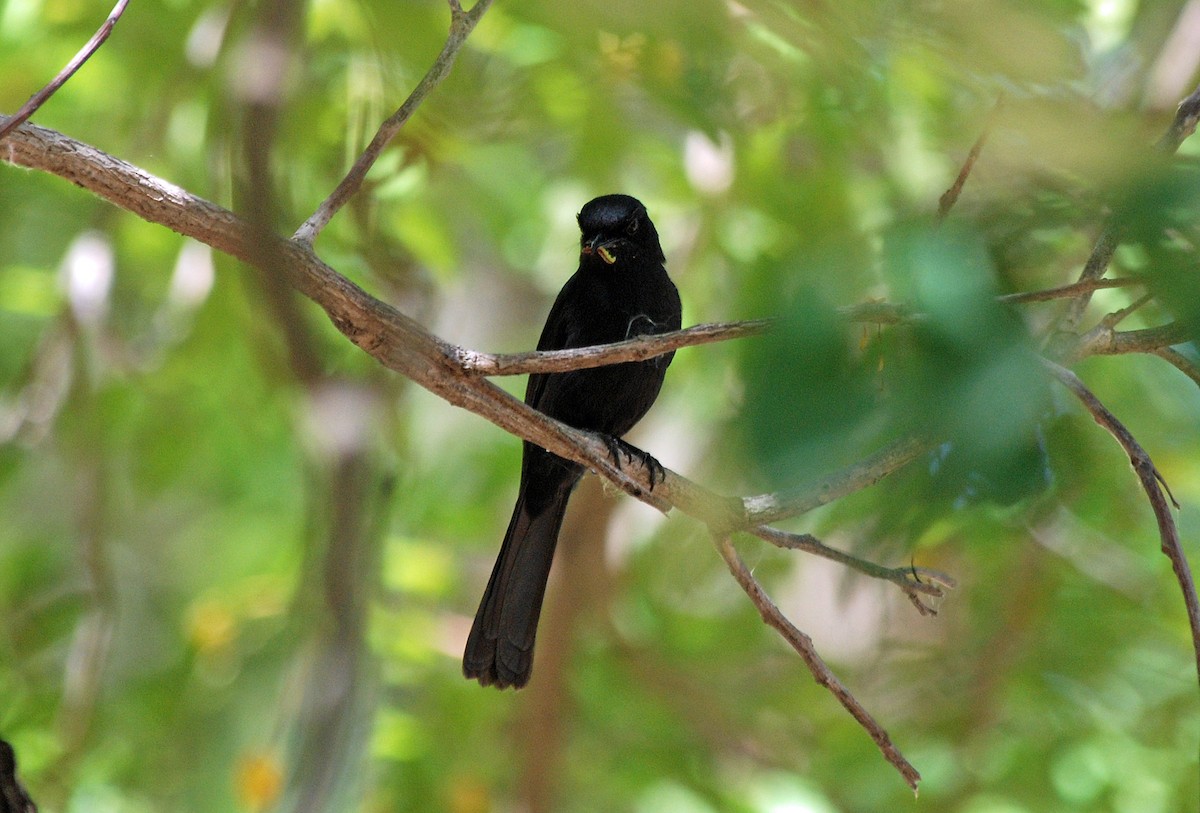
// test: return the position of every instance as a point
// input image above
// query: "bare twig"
(1111, 320)
(768, 508)
(820, 672)
(462, 23)
(85, 53)
(1102, 340)
(1157, 491)
(1094, 268)
(1067, 291)
(950, 196)
(908, 579)
(475, 363)
(1187, 115)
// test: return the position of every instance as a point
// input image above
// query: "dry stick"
(1066, 291)
(908, 579)
(820, 672)
(1156, 490)
(1182, 126)
(767, 508)
(38, 99)
(462, 23)
(950, 196)
(475, 363)
(1102, 340)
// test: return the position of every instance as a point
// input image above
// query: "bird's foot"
(618, 447)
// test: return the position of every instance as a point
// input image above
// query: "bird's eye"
(632, 228)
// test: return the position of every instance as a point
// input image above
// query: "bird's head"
(616, 227)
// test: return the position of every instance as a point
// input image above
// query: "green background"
(226, 586)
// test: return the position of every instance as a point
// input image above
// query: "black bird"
(621, 290)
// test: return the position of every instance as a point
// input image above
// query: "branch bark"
(1157, 492)
(475, 363)
(803, 645)
(83, 55)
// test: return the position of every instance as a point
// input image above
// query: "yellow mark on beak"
(606, 255)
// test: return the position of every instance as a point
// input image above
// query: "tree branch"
(402, 345)
(820, 671)
(83, 55)
(462, 23)
(768, 508)
(1157, 491)
(1183, 125)
(1067, 291)
(950, 196)
(640, 348)
(908, 579)
(1102, 340)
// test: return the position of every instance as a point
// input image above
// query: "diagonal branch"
(950, 196)
(1161, 499)
(803, 645)
(1182, 126)
(84, 54)
(767, 508)
(462, 23)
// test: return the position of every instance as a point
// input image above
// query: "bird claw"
(617, 447)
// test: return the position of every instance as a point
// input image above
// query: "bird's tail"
(500, 647)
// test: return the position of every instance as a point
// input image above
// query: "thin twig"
(803, 645)
(950, 196)
(1067, 291)
(462, 23)
(475, 363)
(85, 53)
(1157, 491)
(908, 579)
(1187, 115)
(1111, 320)
(769, 508)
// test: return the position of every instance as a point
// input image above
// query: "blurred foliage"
(224, 589)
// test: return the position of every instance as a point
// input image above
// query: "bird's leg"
(617, 447)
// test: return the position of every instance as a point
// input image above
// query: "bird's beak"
(603, 248)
